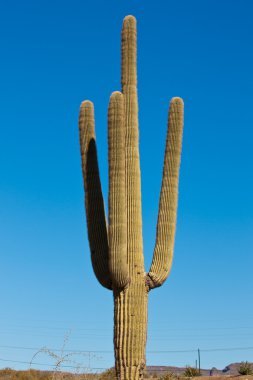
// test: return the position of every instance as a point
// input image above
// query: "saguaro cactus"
(117, 250)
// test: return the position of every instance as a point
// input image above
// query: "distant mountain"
(229, 370)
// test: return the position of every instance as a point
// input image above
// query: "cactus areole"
(116, 247)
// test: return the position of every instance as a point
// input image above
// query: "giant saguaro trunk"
(117, 250)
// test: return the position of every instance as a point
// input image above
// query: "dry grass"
(9, 374)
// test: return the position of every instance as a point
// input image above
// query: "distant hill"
(229, 370)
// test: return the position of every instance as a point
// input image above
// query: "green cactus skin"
(117, 250)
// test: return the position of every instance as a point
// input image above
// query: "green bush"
(245, 369)
(191, 372)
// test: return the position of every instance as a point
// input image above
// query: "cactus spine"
(117, 250)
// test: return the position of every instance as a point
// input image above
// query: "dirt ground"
(224, 377)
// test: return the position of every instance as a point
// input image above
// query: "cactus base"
(130, 331)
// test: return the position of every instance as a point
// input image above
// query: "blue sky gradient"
(54, 54)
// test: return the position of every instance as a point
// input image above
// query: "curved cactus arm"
(166, 225)
(117, 202)
(94, 204)
(132, 160)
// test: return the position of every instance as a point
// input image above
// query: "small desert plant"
(169, 376)
(191, 372)
(6, 371)
(62, 358)
(109, 374)
(245, 369)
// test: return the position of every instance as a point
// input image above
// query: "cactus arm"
(94, 205)
(117, 203)
(166, 225)
(132, 161)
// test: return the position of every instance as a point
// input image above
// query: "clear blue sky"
(54, 54)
